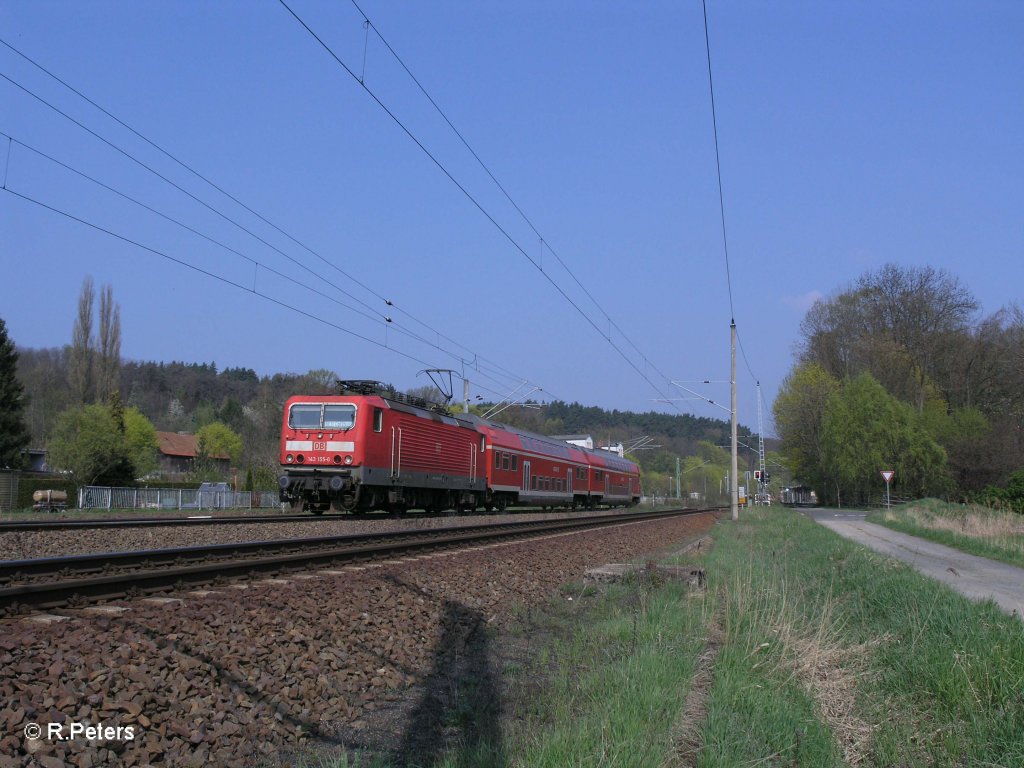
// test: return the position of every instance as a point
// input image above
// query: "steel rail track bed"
(17, 526)
(158, 522)
(60, 581)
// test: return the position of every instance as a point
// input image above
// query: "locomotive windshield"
(321, 416)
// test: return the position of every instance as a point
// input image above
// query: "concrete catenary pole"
(735, 475)
(465, 395)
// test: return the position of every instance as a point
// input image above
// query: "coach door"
(526, 476)
(568, 480)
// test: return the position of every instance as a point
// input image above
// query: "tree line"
(900, 371)
(98, 414)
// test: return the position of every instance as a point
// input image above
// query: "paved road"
(975, 577)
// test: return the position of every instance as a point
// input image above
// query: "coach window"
(497, 459)
(515, 463)
(378, 419)
(533, 483)
(504, 461)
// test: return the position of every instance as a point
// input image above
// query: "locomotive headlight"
(289, 458)
(300, 458)
(348, 459)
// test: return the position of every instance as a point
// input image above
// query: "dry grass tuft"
(993, 526)
(830, 672)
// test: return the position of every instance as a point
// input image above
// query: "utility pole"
(735, 475)
(677, 478)
(762, 485)
(465, 395)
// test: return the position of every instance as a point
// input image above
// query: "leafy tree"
(140, 437)
(80, 363)
(108, 352)
(866, 430)
(799, 411)
(232, 413)
(88, 442)
(264, 477)
(218, 439)
(14, 435)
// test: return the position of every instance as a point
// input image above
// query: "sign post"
(887, 474)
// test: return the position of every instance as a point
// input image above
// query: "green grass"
(817, 652)
(854, 653)
(616, 679)
(973, 529)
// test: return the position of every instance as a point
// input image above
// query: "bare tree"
(898, 323)
(108, 364)
(80, 363)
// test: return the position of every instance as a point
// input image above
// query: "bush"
(1011, 497)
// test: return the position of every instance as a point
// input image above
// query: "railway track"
(79, 579)
(16, 526)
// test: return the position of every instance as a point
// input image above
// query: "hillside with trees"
(98, 415)
(900, 371)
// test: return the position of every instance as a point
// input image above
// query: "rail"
(53, 582)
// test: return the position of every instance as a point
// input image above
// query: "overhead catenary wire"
(543, 241)
(515, 244)
(246, 257)
(255, 262)
(222, 279)
(476, 363)
(388, 302)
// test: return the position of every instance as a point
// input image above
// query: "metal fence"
(8, 490)
(96, 497)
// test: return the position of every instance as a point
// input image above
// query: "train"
(372, 448)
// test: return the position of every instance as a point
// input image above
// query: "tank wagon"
(370, 447)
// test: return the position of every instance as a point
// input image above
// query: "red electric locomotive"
(373, 448)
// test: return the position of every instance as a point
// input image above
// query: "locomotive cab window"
(320, 416)
(378, 419)
(304, 416)
(339, 416)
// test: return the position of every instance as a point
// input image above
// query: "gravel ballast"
(253, 670)
(25, 545)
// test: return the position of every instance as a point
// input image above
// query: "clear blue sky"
(852, 134)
